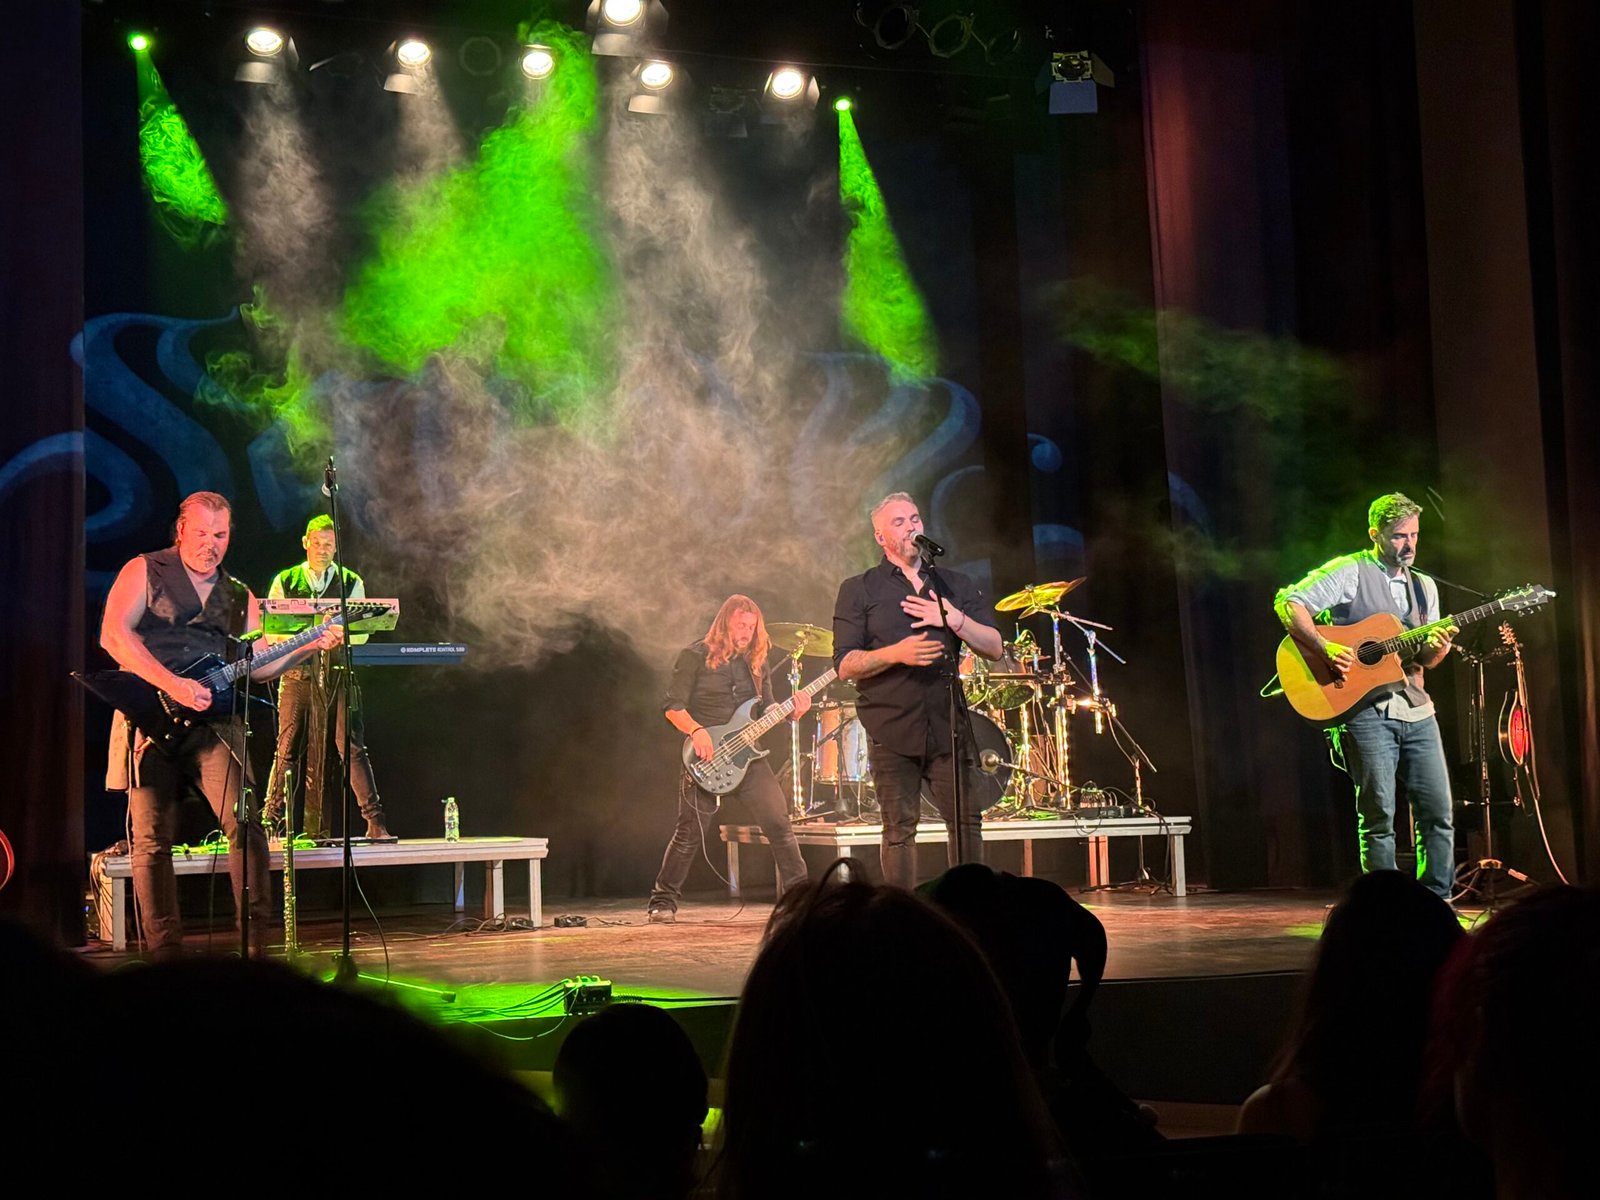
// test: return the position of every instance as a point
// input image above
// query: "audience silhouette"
(874, 1055)
(628, 1082)
(1032, 932)
(1514, 1051)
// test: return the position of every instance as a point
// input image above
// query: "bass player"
(1392, 733)
(710, 680)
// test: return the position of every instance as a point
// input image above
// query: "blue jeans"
(1378, 750)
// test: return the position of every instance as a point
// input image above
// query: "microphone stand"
(344, 967)
(958, 791)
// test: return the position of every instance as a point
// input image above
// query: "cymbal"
(801, 638)
(1037, 595)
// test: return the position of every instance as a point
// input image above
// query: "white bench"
(846, 837)
(493, 851)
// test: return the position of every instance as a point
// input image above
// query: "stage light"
(138, 43)
(413, 54)
(658, 87)
(625, 28)
(538, 62)
(1073, 80)
(786, 83)
(267, 58)
(843, 104)
(263, 41)
(656, 75)
(622, 12)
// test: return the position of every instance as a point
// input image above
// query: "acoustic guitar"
(1382, 647)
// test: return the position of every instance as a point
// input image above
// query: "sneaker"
(660, 914)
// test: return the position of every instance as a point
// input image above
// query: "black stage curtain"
(41, 471)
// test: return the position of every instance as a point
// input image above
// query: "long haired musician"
(710, 680)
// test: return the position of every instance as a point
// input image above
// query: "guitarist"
(1392, 733)
(710, 680)
(317, 682)
(165, 610)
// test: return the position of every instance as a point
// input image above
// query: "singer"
(891, 637)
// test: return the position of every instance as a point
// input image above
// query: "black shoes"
(660, 914)
(377, 831)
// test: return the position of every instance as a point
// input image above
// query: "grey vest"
(1373, 595)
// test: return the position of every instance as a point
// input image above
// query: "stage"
(1196, 994)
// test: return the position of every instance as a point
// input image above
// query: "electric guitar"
(166, 721)
(1382, 646)
(734, 744)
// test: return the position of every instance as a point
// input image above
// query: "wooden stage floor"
(1197, 995)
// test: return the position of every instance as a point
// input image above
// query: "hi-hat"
(1037, 595)
(801, 639)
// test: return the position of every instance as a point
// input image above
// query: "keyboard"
(408, 654)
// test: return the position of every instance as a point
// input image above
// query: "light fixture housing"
(625, 28)
(658, 86)
(267, 56)
(538, 62)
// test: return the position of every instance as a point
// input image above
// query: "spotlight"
(538, 62)
(139, 43)
(622, 12)
(658, 85)
(786, 83)
(656, 75)
(627, 28)
(268, 57)
(411, 57)
(413, 54)
(1073, 80)
(264, 42)
(843, 104)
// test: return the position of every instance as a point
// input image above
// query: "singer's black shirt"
(906, 709)
(712, 694)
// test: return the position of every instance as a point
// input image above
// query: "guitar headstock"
(1526, 598)
(1508, 635)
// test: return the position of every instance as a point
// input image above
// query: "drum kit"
(1022, 708)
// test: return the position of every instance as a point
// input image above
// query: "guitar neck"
(226, 676)
(1459, 620)
(780, 711)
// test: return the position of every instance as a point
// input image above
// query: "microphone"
(927, 545)
(330, 478)
(989, 762)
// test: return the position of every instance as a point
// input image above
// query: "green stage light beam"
(186, 199)
(500, 261)
(882, 308)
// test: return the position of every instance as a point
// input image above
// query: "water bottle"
(452, 820)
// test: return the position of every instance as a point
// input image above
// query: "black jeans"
(697, 813)
(897, 780)
(206, 759)
(297, 692)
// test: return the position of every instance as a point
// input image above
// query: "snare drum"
(841, 746)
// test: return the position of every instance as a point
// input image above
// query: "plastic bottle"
(452, 820)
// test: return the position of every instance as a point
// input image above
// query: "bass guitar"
(1382, 646)
(735, 744)
(166, 721)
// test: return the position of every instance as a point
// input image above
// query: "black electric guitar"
(163, 719)
(735, 744)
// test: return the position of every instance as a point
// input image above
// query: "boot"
(377, 831)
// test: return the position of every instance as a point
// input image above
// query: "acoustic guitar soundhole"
(1369, 654)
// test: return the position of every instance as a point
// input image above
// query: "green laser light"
(843, 104)
(139, 43)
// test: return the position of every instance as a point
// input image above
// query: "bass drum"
(983, 791)
(841, 747)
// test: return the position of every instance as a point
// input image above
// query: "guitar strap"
(1419, 602)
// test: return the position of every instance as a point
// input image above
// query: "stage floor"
(1197, 993)
(708, 951)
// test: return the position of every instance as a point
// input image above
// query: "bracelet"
(957, 630)
(696, 730)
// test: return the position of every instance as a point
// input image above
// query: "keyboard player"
(306, 694)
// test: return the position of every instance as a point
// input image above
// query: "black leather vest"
(175, 627)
